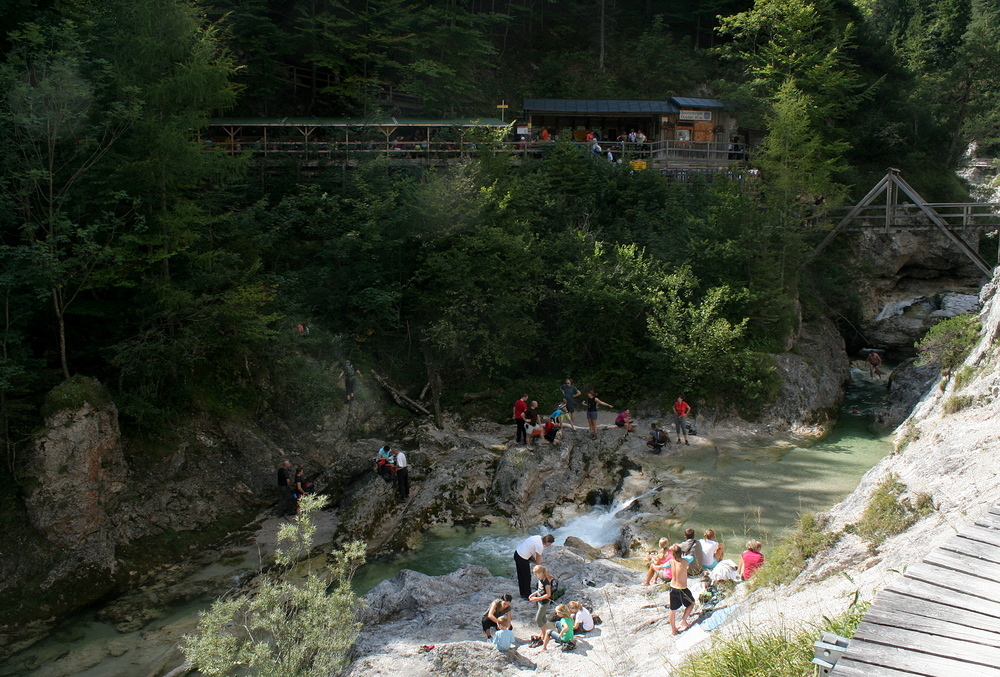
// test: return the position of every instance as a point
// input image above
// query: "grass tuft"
(887, 514)
(769, 654)
(956, 403)
(911, 433)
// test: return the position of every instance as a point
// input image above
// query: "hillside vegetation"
(178, 277)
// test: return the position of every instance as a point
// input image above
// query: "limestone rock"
(531, 482)
(812, 377)
(907, 384)
(584, 548)
(80, 471)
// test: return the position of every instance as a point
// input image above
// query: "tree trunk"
(61, 321)
(434, 377)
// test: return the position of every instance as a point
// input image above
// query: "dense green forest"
(132, 255)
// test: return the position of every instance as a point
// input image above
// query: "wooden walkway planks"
(942, 619)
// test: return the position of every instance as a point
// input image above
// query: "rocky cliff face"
(99, 515)
(919, 279)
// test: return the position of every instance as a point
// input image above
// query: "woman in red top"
(681, 409)
(751, 560)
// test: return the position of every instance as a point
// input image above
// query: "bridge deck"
(942, 619)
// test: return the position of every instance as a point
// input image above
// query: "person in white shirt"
(527, 554)
(402, 475)
(583, 621)
(711, 550)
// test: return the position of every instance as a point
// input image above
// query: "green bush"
(301, 626)
(788, 559)
(949, 342)
(72, 394)
(911, 433)
(964, 377)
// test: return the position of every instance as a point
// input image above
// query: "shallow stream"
(743, 486)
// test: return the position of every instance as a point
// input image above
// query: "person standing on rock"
(285, 502)
(521, 406)
(569, 392)
(532, 418)
(349, 372)
(681, 411)
(543, 598)
(680, 596)
(529, 551)
(402, 475)
(592, 401)
(874, 364)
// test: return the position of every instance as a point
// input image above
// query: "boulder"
(582, 547)
(812, 378)
(79, 470)
(907, 384)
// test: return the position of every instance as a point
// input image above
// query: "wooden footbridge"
(942, 619)
(889, 215)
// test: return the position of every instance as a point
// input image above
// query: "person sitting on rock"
(624, 420)
(711, 550)
(563, 632)
(504, 637)
(751, 559)
(385, 463)
(499, 609)
(657, 560)
(657, 438)
(691, 550)
(552, 432)
(583, 620)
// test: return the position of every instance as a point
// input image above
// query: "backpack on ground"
(557, 590)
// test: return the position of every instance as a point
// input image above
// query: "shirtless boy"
(680, 596)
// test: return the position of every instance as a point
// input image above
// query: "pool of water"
(759, 488)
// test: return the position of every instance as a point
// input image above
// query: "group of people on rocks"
(391, 463)
(562, 625)
(529, 429)
(673, 563)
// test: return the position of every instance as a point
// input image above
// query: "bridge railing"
(955, 214)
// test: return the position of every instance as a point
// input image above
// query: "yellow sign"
(502, 105)
(638, 165)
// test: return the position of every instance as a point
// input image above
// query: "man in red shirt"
(521, 406)
(681, 409)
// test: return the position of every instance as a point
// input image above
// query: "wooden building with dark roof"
(674, 119)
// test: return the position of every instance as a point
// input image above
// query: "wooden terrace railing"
(688, 154)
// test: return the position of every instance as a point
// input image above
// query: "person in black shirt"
(286, 505)
(349, 372)
(592, 401)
